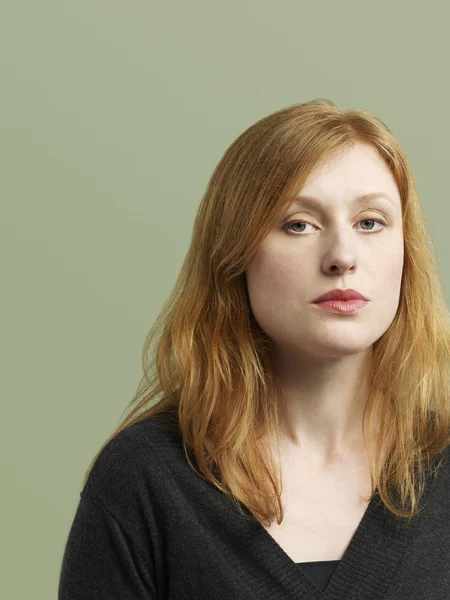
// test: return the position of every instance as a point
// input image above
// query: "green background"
(113, 117)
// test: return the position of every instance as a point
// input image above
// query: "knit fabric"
(147, 527)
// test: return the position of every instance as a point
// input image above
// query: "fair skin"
(323, 359)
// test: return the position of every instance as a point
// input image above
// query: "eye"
(369, 231)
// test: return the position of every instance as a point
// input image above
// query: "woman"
(296, 445)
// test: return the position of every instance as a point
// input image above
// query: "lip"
(342, 295)
(343, 306)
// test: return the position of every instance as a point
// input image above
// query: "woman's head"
(343, 230)
(211, 359)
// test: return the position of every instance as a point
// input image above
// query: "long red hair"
(210, 361)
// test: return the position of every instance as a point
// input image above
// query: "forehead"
(356, 174)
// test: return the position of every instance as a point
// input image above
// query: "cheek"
(277, 275)
(388, 276)
(276, 288)
(393, 270)
(384, 265)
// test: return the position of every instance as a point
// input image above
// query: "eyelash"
(300, 233)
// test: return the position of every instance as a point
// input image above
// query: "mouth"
(341, 295)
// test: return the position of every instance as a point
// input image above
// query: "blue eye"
(382, 223)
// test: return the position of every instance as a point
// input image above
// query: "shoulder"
(137, 456)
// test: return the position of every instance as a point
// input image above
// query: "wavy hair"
(207, 358)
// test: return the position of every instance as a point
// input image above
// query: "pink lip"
(341, 295)
(343, 306)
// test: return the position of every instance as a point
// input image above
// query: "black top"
(320, 571)
(147, 527)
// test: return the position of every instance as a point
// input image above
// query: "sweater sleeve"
(100, 561)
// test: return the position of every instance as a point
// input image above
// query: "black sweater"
(147, 527)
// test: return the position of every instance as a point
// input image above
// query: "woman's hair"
(211, 362)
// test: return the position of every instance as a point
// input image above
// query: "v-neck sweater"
(147, 527)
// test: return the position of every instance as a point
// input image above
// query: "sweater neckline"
(364, 571)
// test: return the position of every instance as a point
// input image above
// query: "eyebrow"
(310, 200)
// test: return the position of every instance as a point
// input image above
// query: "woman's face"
(332, 242)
